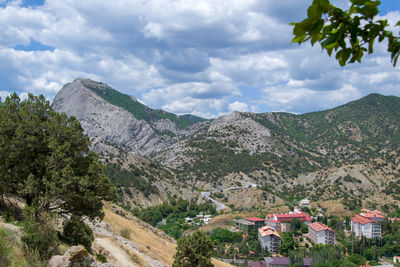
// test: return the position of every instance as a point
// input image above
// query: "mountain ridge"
(275, 149)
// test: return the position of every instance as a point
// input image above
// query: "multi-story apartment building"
(269, 239)
(320, 233)
(363, 226)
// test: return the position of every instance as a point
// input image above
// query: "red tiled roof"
(317, 226)
(361, 219)
(395, 219)
(288, 217)
(266, 230)
(372, 214)
(255, 219)
(273, 221)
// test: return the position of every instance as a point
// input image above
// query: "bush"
(39, 237)
(125, 233)
(101, 258)
(4, 249)
(76, 232)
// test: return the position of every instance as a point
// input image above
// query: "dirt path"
(115, 253)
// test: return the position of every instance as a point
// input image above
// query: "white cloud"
(185, 56)
(238, 106)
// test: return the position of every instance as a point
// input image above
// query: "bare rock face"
(105, 121)
(247, 133)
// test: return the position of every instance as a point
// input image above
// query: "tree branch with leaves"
(349, 34)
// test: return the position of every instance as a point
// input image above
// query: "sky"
(200, 57)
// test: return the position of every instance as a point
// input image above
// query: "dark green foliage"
(287, 244)
(45, 159)
(131, 178)
(40, 237)
(76, 232)
(174, 215)
(194, 250)
(350, 33)
(224, 235)
(140, 111)
(101, 258)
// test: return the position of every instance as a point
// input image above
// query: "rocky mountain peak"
(102, 120)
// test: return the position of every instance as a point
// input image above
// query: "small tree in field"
(194, 250)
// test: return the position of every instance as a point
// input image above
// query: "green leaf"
(314, 12)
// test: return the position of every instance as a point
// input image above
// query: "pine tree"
(194, 250)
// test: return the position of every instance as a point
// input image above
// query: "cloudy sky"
(203, 57)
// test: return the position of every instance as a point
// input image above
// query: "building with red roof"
(363, 226)
(375, 215)
(269, 239)
(395, 220)
(320, 233)
(287, 217)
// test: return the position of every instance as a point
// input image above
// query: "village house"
(320, 233)
(363, 226)
(249, 224)
(305, 203)
(277, 262)
(269, 239)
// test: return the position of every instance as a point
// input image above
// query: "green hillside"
(353, 133)
(140, 111)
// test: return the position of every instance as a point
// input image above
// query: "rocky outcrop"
(108, 122)
(76, 256)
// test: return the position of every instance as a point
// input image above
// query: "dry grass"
(148, 242)
(333, 207)
(153, 245)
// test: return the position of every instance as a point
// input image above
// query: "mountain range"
(345, 153)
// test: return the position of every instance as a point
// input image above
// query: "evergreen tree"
(45, 159)
(194, 250)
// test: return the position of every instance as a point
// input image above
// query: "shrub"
(101, 258)
(125, 233)
(4, 249)
(76, 232)
(39, 237)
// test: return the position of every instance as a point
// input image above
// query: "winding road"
(219, 205)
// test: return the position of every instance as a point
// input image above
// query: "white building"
(363, 226)
(269, 239)
(320, 233)
(305, 203)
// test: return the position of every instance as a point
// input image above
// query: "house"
(363, 226)
(249, 224)
(396, 259)
(307, 262)
(320, 233)
(287, 217)
(257, 264)
(375, 215)
(269, 239)
(277, 261)
(305, 203)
